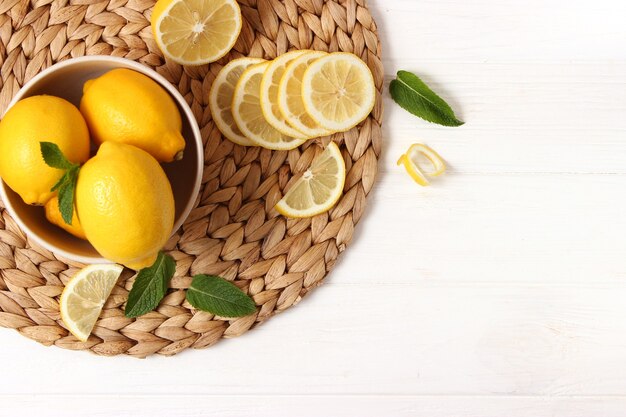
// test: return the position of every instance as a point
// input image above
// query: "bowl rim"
(126, 63)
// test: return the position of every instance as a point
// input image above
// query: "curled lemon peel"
(409, 160)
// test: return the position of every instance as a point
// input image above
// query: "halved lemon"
(319, 188)
(196, 32)
(269, 94)
(338, 91)
(290, 100)
(248, 115)
(221, 98)
(84, 296)
(411, 162)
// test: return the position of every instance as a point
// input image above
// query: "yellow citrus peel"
(410, 160)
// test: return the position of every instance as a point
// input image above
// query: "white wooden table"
(498, 291)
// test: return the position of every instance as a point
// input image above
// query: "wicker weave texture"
(234, 231)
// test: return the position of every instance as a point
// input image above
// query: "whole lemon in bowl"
(125, 204)
(29, 122)
(54, 216)
(126, 106)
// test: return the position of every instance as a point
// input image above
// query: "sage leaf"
(413, 95)
(150, 286)
(219, 296)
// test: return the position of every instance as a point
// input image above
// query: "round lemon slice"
(269, 94)
(319, 188)
(84, 296)
(248, 115)
(290, 101)
(411, 162)
(338, 91)
(221, 99)
(196, 32)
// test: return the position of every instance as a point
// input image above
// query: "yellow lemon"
(249, 117)
(319, 188)
(269, 94)
(31, 121)
(290, 100)
(53, 214)
(84, 296)
(128, 107)
(338, 91)
(221, 98)
(125, 204)
(196, 32)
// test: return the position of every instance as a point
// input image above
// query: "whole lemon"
(53, 214)
(125, 204)
(31, 121)
(128, 107)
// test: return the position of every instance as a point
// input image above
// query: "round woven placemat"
(234, 231)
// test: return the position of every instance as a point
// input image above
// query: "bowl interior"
(67, 82)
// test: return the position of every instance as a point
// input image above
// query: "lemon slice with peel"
(338, 91)
(410, 160)
(84, 296)
(269, 94)
(221, 98)
(319, 188)
(290, 101)
(196, 32)
(248, 115)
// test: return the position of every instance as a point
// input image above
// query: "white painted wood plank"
(488, 30)
(310, 406)
(539, 84)
(491, 228)
(519, 117)
(386, 339)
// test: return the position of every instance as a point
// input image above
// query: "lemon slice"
(319, 188)
(248, 115)
(269, 94)
(221, 99)
(338, 91)
(290, 100)
(84, 296)
(411, 163)
(196, 32)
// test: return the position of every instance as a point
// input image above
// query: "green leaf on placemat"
(150, 286)
(415, 97)
(53, 157)
(219, 296)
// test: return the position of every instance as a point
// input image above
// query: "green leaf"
(53, 156)
(220, 297)
(150, 286)
(66, 185)
(66, 194)
(415, 97)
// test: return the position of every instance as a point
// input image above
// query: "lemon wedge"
(269, 94)
(410, 160)
(196, 32)
(338, 91)
(84, 296)
(221, 99)
(290, 101)
(319, 188)
(248, 116)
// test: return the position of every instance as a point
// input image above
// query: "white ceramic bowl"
(66, 80)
